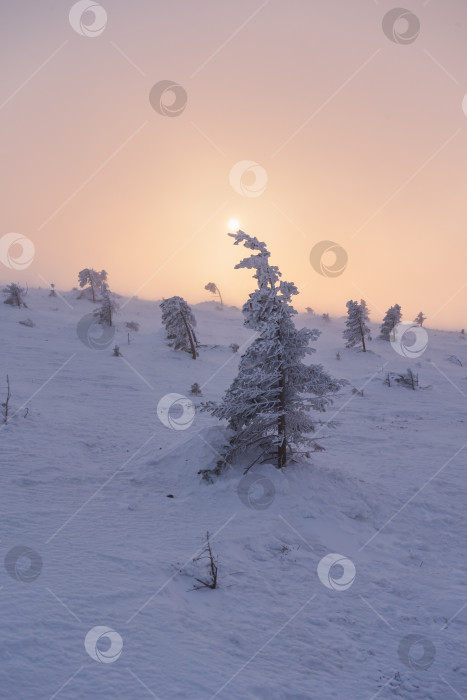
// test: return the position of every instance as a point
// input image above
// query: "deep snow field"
(86, 468)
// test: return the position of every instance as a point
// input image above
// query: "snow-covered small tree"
(356, 329)
(93, 280)
(309, 310)
(52, 292)
(14, 295)
(420, 318)
(196, 389)
(392, 318)
(180, 323)
(326, 317)
(212, 287)
(109, 307)
(267, 404)
(132, 326)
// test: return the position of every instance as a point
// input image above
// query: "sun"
(233, 225)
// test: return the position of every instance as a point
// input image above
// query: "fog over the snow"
(363, 140)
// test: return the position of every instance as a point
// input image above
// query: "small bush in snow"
(409, 379)
(116, 352)
(234, 347)
(326, 317)
(196, 389)
(27, 322)
(14, 295)
(210, 579)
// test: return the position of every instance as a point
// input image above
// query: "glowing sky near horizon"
(301, 120)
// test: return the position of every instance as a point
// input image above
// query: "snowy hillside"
(87, 478)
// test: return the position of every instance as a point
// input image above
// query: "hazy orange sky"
(363, 141)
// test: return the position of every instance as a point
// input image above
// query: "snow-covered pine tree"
(214, 289)
(356, 329)
(93, 279)
(14, 295)
(420, 318)
(108, 307)
(180, 323)
(392, 318)
(267, 404)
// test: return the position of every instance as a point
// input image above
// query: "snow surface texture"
(91, 540)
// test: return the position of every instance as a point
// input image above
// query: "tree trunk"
(190, 336)
(363, 338)
(282, 427)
